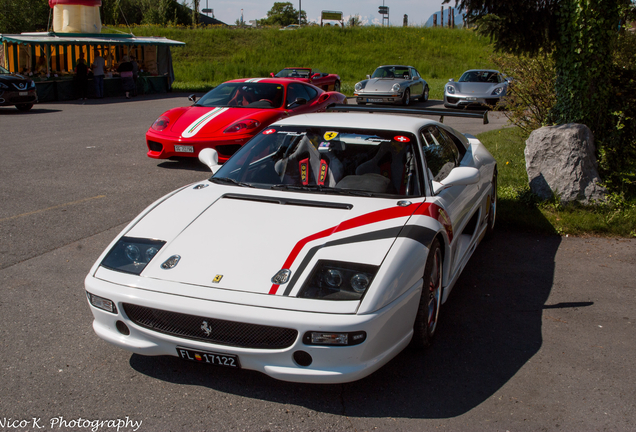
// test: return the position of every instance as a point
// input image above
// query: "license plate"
(217, 359)
(471, 98)
(375, 100)
(184, 149)
(23, 93)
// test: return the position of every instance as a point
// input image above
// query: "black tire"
(424, 97)
(24, 107)
(427, 316)
(336, 86)
(492, 210)
(406, 99)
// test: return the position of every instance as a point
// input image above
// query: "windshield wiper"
(226, 180)
(324, 189)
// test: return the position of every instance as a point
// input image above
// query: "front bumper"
(388, 331)
(462, 101)
(163, 147)
(10, 97)
(385, 98)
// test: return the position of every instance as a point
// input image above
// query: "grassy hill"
(217, 54)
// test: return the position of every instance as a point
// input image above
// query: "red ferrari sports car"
(325, 81)
(229, 115)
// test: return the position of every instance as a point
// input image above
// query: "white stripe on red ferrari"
(198, 124)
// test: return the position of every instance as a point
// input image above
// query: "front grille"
(452, 100)
(155, 146)
(222, 332)
(492, 101)
(22, 99)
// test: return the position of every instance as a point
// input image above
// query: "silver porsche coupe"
(392, 84)
(484, 87)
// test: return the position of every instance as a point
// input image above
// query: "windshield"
(480, 77)
(294, 73)
(244, 94)
(391, 72)
(327, 160)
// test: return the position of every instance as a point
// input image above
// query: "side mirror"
(414, 78)
(299, 101)
(192, 98)
(210, 157)
(272, 74)
(451, 80)
(460, 176)
(368, 76)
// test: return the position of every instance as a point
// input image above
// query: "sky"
(418, 11)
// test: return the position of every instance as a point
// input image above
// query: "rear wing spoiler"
(412, 111)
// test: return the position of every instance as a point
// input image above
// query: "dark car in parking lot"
(16, 90)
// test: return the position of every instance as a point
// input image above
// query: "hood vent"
(288, 201)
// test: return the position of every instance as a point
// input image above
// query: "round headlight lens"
(358, 86)
(132, 252)
(151, 252)
(360, 282)
(333, 278)
(497, 91)
(450, 90)
(396, 87)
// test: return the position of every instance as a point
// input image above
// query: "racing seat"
(390, 162)
(302, 167)
(242, 98)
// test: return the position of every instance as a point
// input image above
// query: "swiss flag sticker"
(402, 139)
(269, 131)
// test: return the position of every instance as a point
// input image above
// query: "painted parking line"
(53, 208)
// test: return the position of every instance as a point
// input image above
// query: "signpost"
(384, 11)
(331, 16)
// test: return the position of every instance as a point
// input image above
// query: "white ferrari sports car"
(318, 252)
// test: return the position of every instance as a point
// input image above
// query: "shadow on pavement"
(185, 163)
(32, 111)
(490, 328)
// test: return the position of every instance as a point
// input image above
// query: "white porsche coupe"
(317, 253)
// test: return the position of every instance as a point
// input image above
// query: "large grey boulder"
(560, 161)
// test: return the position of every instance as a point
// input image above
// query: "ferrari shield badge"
(217, 278)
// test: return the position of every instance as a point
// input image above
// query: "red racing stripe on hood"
(358, 221)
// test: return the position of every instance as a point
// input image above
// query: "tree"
(580, 35)
(354, 21)
(284, 14)
(17, 16)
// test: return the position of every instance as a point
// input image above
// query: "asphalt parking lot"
(538, 333)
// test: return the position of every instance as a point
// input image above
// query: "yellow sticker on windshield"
(330, 135)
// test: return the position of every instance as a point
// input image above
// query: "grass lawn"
(518, 207)
(216, 54)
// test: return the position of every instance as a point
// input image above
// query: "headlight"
(333, 280)
(450, 89)
(497, 91)
(161, 123)
(132, 255)
(396, 87)
(358, 86)
(32, 84)
(243, 126)
(3, 86)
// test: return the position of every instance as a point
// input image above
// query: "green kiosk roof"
(86, 39)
